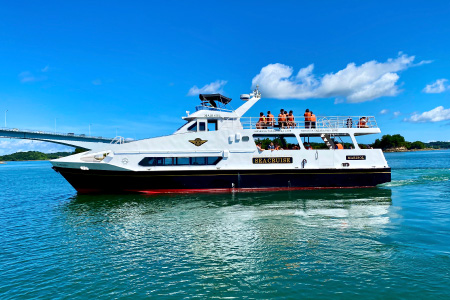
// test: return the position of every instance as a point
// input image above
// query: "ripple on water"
(387, 242)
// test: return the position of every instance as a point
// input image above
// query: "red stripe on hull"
(241, 190)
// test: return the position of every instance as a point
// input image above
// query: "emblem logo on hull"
(198, 142)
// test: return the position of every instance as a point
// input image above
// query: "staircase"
(327, 140)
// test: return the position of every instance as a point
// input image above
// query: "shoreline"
(411, 150)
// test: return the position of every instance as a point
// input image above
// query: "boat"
(216, 150)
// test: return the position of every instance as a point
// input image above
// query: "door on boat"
(325, 158)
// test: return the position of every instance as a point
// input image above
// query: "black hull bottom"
(93, 181)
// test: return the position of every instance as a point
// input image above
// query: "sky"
(134, 68)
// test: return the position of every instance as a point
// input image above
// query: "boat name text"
(272, 160)
(356, 157)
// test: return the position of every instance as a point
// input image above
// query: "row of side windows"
(179, 161)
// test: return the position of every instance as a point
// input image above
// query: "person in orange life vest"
(259, 147)
(307, 116)
(362, 123)
(313, 120)
(308, 146)
(270, 119)
(290, 118)
(277, 147)
(338, 146)
(261, 122)
(282, 119)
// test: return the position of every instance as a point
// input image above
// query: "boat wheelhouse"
(217, 150)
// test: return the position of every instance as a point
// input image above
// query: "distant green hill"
(33, 155)
(396, 141)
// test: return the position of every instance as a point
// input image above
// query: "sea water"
(389, 242)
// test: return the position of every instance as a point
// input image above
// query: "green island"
(36, 155)
(397, 143)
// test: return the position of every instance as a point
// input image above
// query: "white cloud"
(213, 87)
(434, 115)
(396, 114)
(384, 111)
(27, 76)
(436, 87)
(354, 83)
(8, 146)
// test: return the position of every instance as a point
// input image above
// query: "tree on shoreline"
(397, 141)
(33, 155)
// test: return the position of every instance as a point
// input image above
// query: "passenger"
(307, 116)
(277, 147)
(290, 118)
(313, 120)
(308, 146)
(261, 124)
(282, 119)
(362, 123)
(349, 122)
(271, 146)
(270, 119)
(338, 146)
(259, 147)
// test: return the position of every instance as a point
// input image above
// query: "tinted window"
(168, 161)
(202, 126)
(213, 160)
(179, 161)
(198, 161)
(183, 161)
(212, 125)
(193, 127)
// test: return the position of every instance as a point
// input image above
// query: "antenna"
(256, 92)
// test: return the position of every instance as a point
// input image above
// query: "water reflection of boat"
(238, 233)
(308, 199)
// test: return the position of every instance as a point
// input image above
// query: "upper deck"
(213, 109)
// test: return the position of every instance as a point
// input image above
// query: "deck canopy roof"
(212, 98)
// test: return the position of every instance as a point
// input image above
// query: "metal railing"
(330, 122)
(118, 140)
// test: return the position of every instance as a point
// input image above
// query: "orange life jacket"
(270, 118)
(281, 118)
(307, 116)
(262, 119)
(313, 118)
(291, 118)
(339, 146)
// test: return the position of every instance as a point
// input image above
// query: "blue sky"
(130, 66)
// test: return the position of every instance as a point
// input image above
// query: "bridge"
(67, 139)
